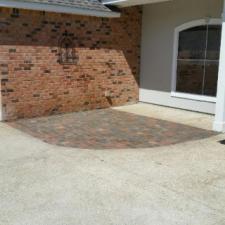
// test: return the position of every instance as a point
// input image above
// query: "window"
(197, 59)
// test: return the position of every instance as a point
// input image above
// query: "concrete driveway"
(43, 184)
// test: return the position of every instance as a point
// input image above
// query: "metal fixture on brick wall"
(15, 12)
(66, 50)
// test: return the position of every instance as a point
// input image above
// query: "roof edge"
(56, 8)
(127, 3)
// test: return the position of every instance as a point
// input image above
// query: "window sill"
(201, 98)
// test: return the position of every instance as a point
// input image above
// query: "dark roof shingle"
(84, 4)
(79, 7)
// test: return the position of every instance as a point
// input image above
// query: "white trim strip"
(56, 8)
(219, 126)
(113, 1)
(219, 123)
(126, 3)
(201, 98)
(165, 99)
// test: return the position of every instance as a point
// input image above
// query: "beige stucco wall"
(159, 23)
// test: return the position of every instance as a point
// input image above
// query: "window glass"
(211, 76)
(189, 76)
(213, 42)
(192, 43)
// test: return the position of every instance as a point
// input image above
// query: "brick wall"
(34, 83)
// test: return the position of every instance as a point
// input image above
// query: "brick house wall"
(34, 83)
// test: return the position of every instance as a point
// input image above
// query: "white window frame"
(185, 26)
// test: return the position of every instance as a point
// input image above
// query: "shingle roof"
(81, 7)
(84, 4)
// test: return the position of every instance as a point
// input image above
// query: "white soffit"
(126, 3)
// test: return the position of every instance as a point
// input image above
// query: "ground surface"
(109, 129)
(43, 184)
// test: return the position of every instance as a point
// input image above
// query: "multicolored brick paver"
(108, 129)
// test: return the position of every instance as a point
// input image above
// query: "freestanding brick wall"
(34, 83)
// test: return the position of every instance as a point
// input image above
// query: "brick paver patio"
(108, 129)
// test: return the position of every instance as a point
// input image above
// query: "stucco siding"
(159, 23)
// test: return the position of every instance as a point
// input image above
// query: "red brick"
(33, 83)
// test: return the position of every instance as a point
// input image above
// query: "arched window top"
(196, 23)
(66, 50)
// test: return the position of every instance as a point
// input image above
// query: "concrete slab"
(42, 184)
(200, 120)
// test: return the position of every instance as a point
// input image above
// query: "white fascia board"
(125, 3)
(56, 8)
